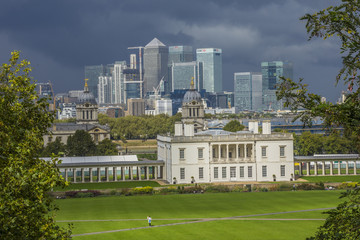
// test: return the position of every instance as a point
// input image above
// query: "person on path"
(149, 220)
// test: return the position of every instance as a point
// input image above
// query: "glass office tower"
(179, 54)
(271, 73)
(247, 91)
(211, 59)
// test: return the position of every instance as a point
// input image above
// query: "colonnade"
(316, 168)
(111, 173)
(232, 152)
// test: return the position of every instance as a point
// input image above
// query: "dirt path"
(199, 220)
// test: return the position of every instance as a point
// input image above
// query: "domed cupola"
(192, 95)
(86, 107)
(86, 96)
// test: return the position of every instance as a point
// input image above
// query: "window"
(282, 151)
(216, 172)
(201, 173)
(223, 172)
(250, 171)
(263, 151)
(242, 172)
(233, 172)
(182, 173)
(282, 170)
(214, 155)
(264, 171)
(200, 153)
(182, 153)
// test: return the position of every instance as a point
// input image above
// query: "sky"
(60, 37)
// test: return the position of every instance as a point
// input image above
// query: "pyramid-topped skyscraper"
(155, 64)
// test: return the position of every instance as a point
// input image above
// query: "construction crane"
(140, 69)
(158, 88)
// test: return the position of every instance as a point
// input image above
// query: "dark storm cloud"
(61, 37)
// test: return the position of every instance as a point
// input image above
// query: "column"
(98, 174)
(339, 167)
(66, 174)
(147, 172)
(347, 168)
(323, 168)
(237, 152)
(74, 174)
(138, 171)
(90, 174)
(354, 167)
(161, 172)
(245, 151)
(308, 169)
(107, 174)
(219, 149)
(331, 168)
(122, 173)
(156, 172)
(315, 168)
(131, 173)
(82, 175)
(227, 152)
(114, 174)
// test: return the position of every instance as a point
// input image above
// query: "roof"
(155, 43)
(73, 127)
(213, 132)
(325, 157)
(97, 159)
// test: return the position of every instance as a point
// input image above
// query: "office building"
(178, 54)
(92, 73)
(248, 91)
(155, 64)
(163, 106)
(180, 75)
(211, 58)
(271, 74)
(136, 107)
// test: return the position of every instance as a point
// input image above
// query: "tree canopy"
(233, 126)
(26, 209)
(80, 144)
(343, 23)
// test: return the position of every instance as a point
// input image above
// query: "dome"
(191, 96)
(87, 97)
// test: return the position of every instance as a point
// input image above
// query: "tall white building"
(118, 83)
(163, 106)
(220, 156)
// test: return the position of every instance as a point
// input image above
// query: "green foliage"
(80, 144)
(342, 222)
(149, 156)
(144, 127)
(143, 190)
(26, 209)
(56, 147)
(233, 126)
(68, 120)
(106, 148)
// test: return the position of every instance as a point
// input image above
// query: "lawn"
(109, 185)
(328, 179)
(166, 209)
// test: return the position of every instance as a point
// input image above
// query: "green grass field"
(328, 179)
(119, 212)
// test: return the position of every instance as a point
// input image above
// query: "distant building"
(248, 91)
(211, 58)
(136, 107)
(181, 73)
(86, 119)
(115, 112)
(105, 89)
(92, 73)
(66, 111)
(155, 64)
(163, 106)
(220, 100)
(271, 73)
(179, 54)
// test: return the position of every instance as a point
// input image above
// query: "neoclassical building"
(86, 119)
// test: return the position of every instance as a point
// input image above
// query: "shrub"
(82, 194)
(307, 186)
(285, 187)
(346, 185)
(143, 190)
(168, 190)
(217, 188)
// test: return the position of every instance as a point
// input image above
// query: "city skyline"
(60, 38)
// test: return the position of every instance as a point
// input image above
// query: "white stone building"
(221, 156)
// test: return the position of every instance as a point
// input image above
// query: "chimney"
(266, 127)
(254, 126)
(179, 129)
(189, 129)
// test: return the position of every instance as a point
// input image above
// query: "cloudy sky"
(61, 37)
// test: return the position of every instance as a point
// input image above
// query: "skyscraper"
(155, 64)
(179, 54)
(211, 58)
(180, 75)
(248, 91)
(92, 73)
(271, 73)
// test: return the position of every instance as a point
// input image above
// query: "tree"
(342, 21)
(106, 147)
(233, 126)
(80, 144)
(56, 147)
(26, 209)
